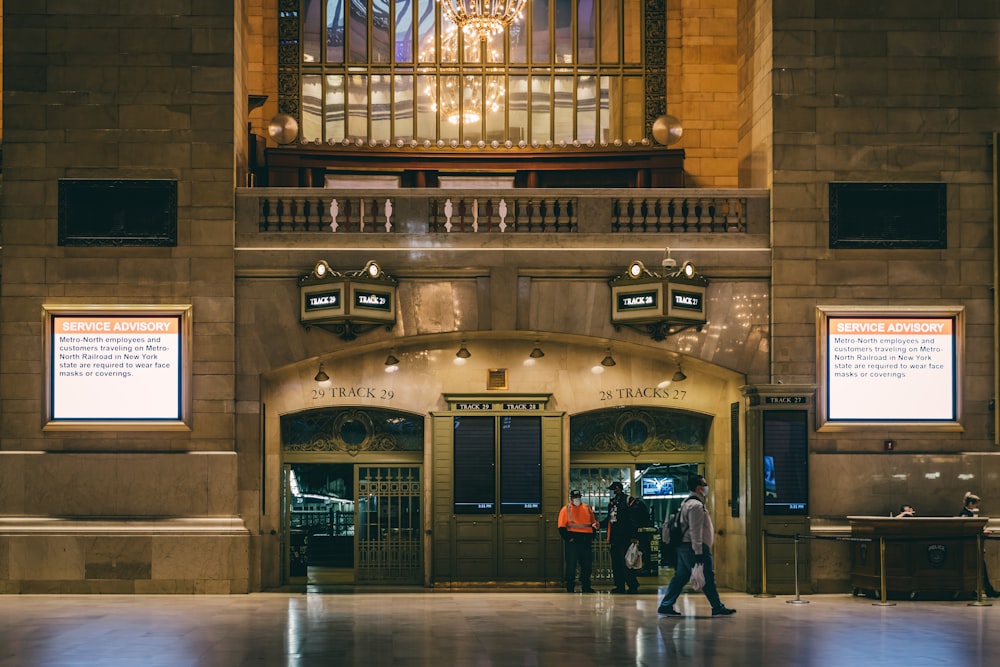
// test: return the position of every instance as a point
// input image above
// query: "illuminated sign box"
(347, 303)
(321, 301)
(641, 302)
(887, 365)
(661, 304)
(368, 304)
(687, 302)
(126, 368)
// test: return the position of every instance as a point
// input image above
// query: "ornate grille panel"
(393, 72)
(388, 525)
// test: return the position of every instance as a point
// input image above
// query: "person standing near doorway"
(695, 548)
(970, 508)
(622, 531)
(577, 525)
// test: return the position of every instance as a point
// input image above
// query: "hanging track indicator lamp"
(659, 304)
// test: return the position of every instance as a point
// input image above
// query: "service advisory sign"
(118, 367)
(891, 366)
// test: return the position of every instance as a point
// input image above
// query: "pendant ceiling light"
(482, 18)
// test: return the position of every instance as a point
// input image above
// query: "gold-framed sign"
(898, 366)
(117, 367)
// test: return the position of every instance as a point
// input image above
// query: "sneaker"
(723, 611)
(667, 611)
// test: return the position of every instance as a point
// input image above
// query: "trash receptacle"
(298, 556)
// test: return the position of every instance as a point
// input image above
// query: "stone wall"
(145, 91)
(884, 92)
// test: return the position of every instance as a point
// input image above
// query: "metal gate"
(593, 484)
(389, 543)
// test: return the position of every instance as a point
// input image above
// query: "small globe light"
(667, 130)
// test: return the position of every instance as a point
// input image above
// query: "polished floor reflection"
(487, 629)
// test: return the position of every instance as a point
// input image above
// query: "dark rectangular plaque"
(117, 212)
(888, 215)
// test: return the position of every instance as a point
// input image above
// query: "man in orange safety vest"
(577, 525)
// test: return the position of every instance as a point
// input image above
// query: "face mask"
(577, 501)
(705, 489)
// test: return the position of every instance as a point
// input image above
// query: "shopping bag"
(697, 577)
(633, 557)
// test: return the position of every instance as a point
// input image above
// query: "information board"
(786, 456)
(520, 465)
(475, 465)
(890, 367)
(124, 366)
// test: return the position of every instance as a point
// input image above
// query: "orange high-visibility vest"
(578, 519)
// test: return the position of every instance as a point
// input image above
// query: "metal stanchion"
(763, 567)
(795, 560)
(981, 552)
(881, 575)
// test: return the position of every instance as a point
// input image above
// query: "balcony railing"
(518, 211)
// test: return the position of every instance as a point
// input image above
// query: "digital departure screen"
(786, 470)
(520, 465)
(475, 465)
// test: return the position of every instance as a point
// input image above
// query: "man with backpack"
(694, 548)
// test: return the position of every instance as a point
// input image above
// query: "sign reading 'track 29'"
(117, 365)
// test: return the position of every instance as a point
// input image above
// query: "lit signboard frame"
(899, 367)
(122, 368)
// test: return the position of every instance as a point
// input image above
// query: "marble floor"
(488, 629)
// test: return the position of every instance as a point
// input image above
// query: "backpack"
(639, 514)
(672, 534)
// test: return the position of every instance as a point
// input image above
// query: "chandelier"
(482, 18)
(467, 97)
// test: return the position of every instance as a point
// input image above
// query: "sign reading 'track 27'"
(127, 366)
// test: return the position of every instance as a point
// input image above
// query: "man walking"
(577, 525)
(695, 548)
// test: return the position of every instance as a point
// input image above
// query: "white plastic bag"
(633, 557)
(697, 577)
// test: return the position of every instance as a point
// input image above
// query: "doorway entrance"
(350, 523)
(661, 487)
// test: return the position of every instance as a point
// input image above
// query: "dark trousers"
(579, 552)
(624, 575)
(685, 561)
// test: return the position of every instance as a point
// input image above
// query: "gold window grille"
(395, 73)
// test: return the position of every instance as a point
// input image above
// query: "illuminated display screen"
(117, 365)
(786, 455)
(891, 368)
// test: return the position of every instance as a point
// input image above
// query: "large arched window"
(396, 72)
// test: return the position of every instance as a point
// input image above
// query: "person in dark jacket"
(623, 529)
(970, 507)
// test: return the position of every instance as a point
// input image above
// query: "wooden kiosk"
(932, 555)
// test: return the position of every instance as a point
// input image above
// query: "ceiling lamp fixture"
(536, 353)
(465, 98)
(679, 375)
(463, 352)
(321, 376)
(608, 360)
(482, 18)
